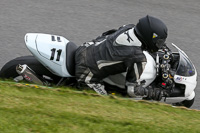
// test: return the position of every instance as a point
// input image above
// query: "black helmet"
(152, 32)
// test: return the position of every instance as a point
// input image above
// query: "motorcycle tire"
(8, 71)
(186, 103)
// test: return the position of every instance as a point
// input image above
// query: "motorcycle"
(53, 63)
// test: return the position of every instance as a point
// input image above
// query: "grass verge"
(29, 108)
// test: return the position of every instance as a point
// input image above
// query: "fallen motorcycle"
(52, 62)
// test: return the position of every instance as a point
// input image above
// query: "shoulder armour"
(127, 38)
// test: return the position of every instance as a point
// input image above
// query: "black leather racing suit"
(111, 54)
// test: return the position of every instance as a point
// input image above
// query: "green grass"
(27, 109)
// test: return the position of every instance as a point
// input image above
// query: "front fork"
(28, 74)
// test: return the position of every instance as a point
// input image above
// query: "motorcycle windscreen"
(186, 75)
(185, 67)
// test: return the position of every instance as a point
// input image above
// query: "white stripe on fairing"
(103, 63)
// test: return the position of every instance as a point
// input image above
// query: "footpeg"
(28, 74)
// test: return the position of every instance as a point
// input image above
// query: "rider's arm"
(134, 87)
(134, 72)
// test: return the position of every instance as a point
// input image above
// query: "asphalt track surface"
(81, 21)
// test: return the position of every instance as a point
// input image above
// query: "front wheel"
(186, 103)
(8, 71)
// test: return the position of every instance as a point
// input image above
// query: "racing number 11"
(53, 50)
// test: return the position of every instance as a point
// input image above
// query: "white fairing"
(171, 100)
(50, 50)
(149, 74)
(189, 82)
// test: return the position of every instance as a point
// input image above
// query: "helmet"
(152, 32)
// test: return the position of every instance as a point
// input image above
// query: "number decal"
(53, 38)
(58, 39)
(58, 55)
(53, 50)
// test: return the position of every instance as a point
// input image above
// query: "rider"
(118, 51)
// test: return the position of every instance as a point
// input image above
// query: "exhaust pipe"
(28, 74)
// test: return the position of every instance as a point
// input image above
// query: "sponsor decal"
(179, 79)
(27, 77)
(190, 72)
(154, 35)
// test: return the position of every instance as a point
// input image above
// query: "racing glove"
(149, 93)
(157, 93)
(136, 90)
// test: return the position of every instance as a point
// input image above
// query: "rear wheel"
(9, 69)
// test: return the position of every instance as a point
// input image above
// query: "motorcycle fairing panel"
(50, 50)
(186, 74)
